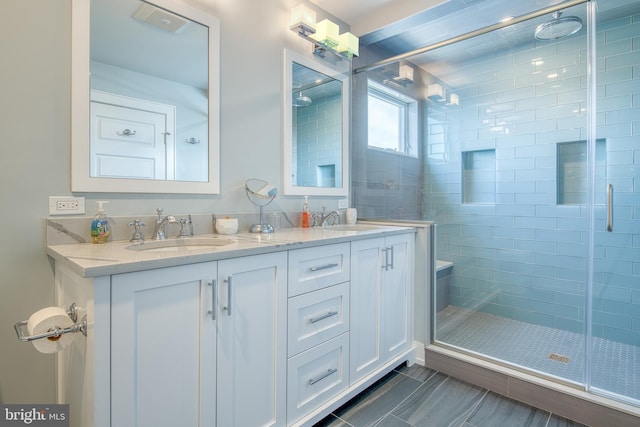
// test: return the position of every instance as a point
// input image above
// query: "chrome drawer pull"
(386, 259)
(324, 267)
(312, 381)
(214, 299)
(324, 316)
(228, 307)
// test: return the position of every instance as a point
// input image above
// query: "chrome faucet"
(137, 236)
(160, 232)
(183, 227)
(322, 219)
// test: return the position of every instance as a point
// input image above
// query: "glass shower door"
(615, 309)
(510, 196)
(529, 151)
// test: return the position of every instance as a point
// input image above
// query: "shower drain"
(558, 358)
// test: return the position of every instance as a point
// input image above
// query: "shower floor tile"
(616, 366)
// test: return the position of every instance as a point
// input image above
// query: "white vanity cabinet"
(163, 347)
(266, 335)
(381, 304)
(200, 344)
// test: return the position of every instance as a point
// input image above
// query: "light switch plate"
(343, 203)
(66, 205)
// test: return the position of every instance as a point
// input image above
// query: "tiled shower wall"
(523, 254)
(318, 146)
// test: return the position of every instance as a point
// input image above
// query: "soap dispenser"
(305, 212)
(100, 231)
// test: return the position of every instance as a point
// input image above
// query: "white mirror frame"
(81, 180)
(322, 67)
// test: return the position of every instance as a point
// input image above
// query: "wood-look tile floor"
(421, 397)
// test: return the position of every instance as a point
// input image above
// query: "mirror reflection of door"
(131, 138)
(317, 129)
(142, 51)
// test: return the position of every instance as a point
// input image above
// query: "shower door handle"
(610, 208)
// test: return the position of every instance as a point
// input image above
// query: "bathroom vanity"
(247, 330)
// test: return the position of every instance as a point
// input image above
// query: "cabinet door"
(163, 347)
(381, 311)
(396, 311)
(366, 276)
(252, 340)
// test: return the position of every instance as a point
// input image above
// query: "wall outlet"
(343, 203)
(66, 205)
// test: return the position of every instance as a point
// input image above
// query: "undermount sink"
(170, 245)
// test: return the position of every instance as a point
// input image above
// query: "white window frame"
(406, 143)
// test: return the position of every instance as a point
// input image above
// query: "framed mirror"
(145, 98)
(316, 127)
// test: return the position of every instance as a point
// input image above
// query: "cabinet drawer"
(316, 376)
(318, 267)
(317, 316)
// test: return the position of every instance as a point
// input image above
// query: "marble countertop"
(93, 260)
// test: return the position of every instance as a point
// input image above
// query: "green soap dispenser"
(100, 231)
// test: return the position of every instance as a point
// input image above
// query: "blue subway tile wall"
(318, 146)
(525, 254)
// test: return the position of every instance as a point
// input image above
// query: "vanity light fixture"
(405, 75)
(348, 44)
(401, 75)
(436, 92)
(303, 19)
(325, 35)
(454, 99)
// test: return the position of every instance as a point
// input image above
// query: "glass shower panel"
(526, 153)
(509, 195)
(615, 332)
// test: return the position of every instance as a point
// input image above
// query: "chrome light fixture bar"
(324, 34)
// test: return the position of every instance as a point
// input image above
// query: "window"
(392, 120)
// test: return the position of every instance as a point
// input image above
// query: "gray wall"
(35, 135)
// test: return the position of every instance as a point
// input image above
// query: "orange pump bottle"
(305, 212)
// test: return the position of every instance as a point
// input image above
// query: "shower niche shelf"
(572, 170)
(479, 176)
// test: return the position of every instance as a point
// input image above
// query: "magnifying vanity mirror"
(316, 128)
(145, 98)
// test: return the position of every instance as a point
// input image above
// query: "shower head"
(301, 101)
(558, 27)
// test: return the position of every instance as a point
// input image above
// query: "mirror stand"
(260, 193)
